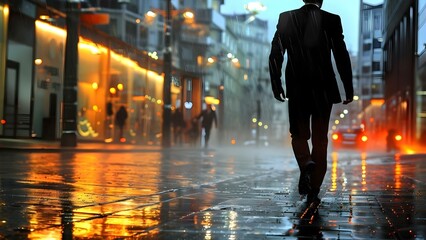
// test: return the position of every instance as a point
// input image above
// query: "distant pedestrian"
(308, 35)
(120, 120)
(208, 117)
(193, 132)
(178, 124)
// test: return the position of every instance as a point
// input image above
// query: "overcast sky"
(347, 9)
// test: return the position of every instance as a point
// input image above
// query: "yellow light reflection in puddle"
(46, 234)
(364, 171)
(123, 215)
(334, 157)
(96, 193)
(40, 171)
(398, 171)
(207, 224)
(232, 216)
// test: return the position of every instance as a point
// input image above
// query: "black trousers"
(309, 116)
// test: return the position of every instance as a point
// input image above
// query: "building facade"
(120, 64)
(420, 79)
(111, 74)
(400, 37)
(250, 93)
(370, 68)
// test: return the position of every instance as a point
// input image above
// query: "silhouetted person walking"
(120, 120)
(208, 117)
(308, 35)
(179, 125)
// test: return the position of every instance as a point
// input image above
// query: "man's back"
(308, 35)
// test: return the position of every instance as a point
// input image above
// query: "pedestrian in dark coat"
(120, 120)
(208, 117)
(309, 35)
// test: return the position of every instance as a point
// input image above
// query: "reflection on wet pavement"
(192, 194)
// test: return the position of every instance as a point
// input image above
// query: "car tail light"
(364, 138)
(398, 137)
(335, 136)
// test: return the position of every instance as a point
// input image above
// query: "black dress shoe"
(312, 197)
(305, 179)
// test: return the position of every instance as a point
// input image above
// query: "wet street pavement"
(232, 193)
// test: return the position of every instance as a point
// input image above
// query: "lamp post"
(168, 14)
(69, 112)
(167, 105)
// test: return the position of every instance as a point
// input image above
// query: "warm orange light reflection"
(3, 121)
(398, 172)
(5, 10)
(120, 87)
(364, 138)
(334, 157)
(335, 136)
(207, 224)
(95, 85)
(50, 28)
(377, 102)
(364, 171)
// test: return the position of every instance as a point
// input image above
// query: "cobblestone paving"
(215, 194)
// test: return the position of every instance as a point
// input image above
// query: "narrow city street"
(231, 193)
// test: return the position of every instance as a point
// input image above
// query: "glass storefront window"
(48, 75)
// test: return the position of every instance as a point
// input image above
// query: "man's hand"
(279, 94)
(347, 101)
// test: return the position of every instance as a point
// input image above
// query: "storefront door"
(11, 99)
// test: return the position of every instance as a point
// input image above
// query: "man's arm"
(342, 58)
(276, 59)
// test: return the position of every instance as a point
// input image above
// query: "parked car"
(349, 137)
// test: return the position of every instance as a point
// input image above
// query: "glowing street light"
(255, 7)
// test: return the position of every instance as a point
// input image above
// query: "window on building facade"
(377, 43)
(366, 46)
(366, 23)
(376, 89)
(421, 41)
(366, 69)
(377, 21)
(365, 91)
(376, 66)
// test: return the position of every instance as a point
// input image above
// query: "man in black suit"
(309, 35)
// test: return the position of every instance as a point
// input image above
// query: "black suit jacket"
(309, 35)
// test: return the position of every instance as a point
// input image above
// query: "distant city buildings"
(392, 63)
(370, 82)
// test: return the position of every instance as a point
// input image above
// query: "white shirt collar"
(312, 4)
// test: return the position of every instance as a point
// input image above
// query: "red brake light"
(398, 137)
